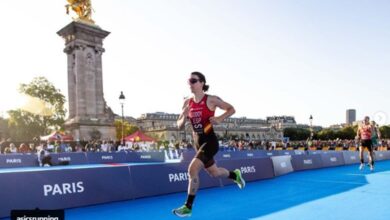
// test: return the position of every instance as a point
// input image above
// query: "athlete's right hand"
(185, 111)
(183, 117)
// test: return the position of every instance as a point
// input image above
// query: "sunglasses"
(193, 80)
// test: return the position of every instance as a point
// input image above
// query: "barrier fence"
(67, 187)
(31, 160)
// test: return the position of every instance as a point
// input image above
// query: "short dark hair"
(202, 78)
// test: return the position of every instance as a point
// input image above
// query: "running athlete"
(376, 135)
(364, 134)
(200, 110)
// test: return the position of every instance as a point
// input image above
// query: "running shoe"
(239, 180)
(182, 211)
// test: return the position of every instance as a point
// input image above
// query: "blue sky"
(264, 57)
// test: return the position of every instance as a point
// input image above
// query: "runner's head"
(366, 120)
(198, 81)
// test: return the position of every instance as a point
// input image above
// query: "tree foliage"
(296, 133)
(385, 131)
(25, 124)
(127, 129)
(346, 133)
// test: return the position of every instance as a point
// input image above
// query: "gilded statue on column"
(82, 8)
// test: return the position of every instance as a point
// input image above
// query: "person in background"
(364, 135)
(376, 135)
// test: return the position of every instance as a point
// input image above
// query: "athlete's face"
(367, 120)
(195, 83)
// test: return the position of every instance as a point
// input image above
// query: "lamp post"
(311, 127)
(122, 101)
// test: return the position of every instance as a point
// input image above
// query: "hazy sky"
(264, 57)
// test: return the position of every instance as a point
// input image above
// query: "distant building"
(128, 119)
(350, 116)
(358, 123)
(163, 127)
(282, 122)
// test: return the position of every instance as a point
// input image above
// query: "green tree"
(155, 136)
(326, 134)
(385, 131)
(296, 134)
(346, 133)
(3, 128)
(127, 128)
(27, 123)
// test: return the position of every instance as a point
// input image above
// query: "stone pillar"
(88, 113)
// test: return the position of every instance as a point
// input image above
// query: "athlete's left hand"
(215, 120)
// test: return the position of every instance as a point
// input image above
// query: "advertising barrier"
(228, 155)
(144, 157)
(282, 165)
(305, 162)
(18, 160)
(331, 159)
(251, 169)
(386, 154)
(106, 157)
(315, 152)
(72, 158)
(188, 155)
(286, 152)
(351, 157)
(253, 154)
(63, 188)
(157, 179)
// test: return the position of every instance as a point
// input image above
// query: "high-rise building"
(351, 116)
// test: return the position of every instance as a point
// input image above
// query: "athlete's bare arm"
(378, 132)
(183, 116)
(358, 133)
(213, 102)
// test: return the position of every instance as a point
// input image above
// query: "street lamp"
(311, 127)
(122, 101)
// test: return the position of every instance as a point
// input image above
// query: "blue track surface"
(323, 194)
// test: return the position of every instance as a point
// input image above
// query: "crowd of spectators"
(58, 146)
